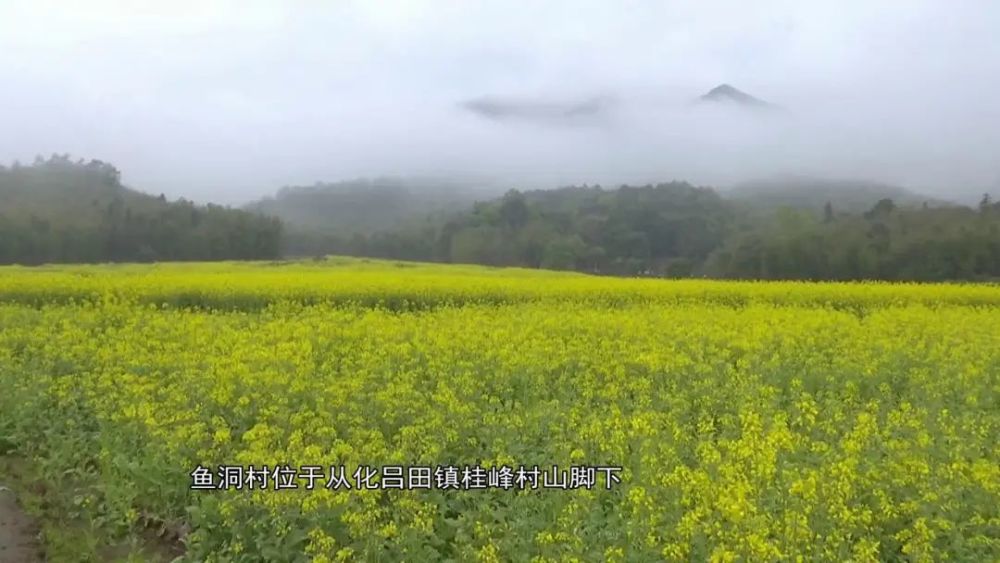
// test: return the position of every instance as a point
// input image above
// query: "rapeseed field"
(352, 410)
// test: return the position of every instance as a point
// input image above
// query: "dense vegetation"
(677, 229)
(319, 217)
(886, 242)
(757, 421)
(58, 210)
(804, 192)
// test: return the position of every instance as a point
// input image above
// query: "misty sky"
(228, 101)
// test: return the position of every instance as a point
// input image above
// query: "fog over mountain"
(726, 94)
(228, 101)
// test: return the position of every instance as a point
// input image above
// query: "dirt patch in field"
(18, 532)
(46, 531)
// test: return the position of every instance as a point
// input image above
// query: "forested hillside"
(666, 228)
(58, 210)
(887, 242)
(366, 205)
(676, 229)
(812, 193)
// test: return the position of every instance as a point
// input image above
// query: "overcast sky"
(227, 101)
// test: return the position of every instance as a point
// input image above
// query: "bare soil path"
(18, 532)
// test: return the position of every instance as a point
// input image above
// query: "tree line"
(58, 210)
(679, 230)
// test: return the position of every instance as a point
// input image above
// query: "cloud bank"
(229, 100)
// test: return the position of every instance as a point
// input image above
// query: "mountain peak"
(723, 90)
(730, 94)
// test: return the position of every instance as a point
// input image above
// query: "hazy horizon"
(230, 101)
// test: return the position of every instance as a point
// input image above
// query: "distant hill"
(58, 210)
(365, 205)
(726, 94)
(814, 193)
